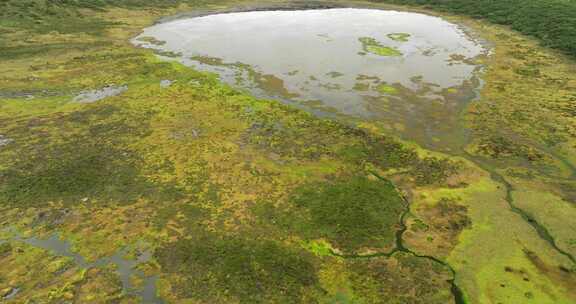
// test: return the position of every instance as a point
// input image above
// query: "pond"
(409, 71)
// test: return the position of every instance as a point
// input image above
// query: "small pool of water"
(126, 268)
(411, 71)
(5, 140)
(95, 95)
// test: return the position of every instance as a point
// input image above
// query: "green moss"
(225, 269)
(529, 71)
(191, 214)
(352, 213)
(419, 225)
(432, 170)
(319, 247)
(5, 248)
(371, 45)
(382, 151)
(85, 157)
(497, 146)
(386, 89)
(401, 37)
(18, 52)
(412, 280)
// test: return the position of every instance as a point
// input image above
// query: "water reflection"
(126, 268)
(408, 70)
(95, 95)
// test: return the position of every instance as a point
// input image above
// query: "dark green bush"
(5, 248)
(217, 269)
(351, 213)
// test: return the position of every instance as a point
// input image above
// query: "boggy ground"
(245, 200)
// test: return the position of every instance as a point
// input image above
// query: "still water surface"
(409, 71)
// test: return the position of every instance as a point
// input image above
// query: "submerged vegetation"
(243, 200)
(373, 46)
(402, 37)
(387, 89)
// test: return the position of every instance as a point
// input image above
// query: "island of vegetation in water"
(373, 46)
(134, 175)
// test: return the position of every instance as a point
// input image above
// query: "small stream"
(399, 247)
(126, 268)
(540, 229)
(431, 72)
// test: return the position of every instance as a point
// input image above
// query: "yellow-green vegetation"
(38, 276)
(250, 201)
(386, 89)
(401, 278)
(525, 118)
(373, 46)
(161, 164)
(439, 224)
(497, 256)
(216, 269)
(524, 131)
(319, 247)
(401, 37)
(549, 208)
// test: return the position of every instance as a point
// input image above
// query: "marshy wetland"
(281, 152)
(411, 71)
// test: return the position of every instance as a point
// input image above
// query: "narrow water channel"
(126, 268)
(411, 71)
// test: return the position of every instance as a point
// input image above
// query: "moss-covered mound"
(352, 213)
(402, 278)
(215, 269)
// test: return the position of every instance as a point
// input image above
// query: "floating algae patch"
(402, 37)
(300, 64)
(387, 89)
(373, 46)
